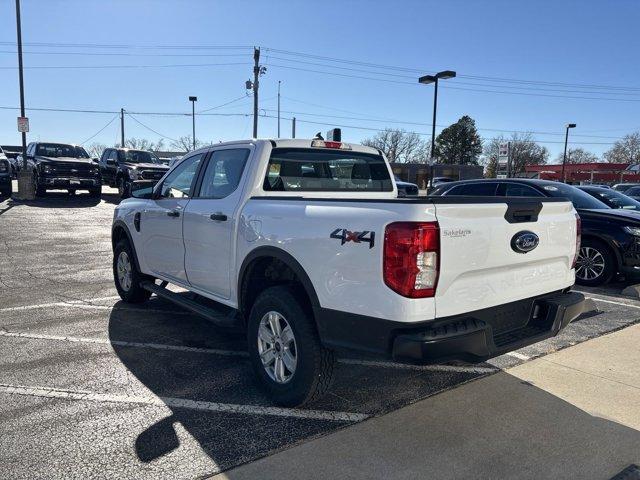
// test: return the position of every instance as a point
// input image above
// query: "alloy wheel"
(590, 264)
(123, 268)
(277, 347)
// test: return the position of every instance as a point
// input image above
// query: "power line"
(452, 87)
(131, 46)
(225, 104)
(387, 120)
(99, 131)
(91, 67)
(424, 70)
(149, 128)
(126, 54)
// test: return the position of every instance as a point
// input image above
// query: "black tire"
(314, 363)
(40, 191)
(600, 253)
(95, 192)
(123, 189)
(134, 293)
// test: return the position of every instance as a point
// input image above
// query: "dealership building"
(584, 173)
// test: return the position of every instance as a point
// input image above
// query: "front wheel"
(123, 191)
(95, 192)
(596, 263)
(126, 275)
(285, 349)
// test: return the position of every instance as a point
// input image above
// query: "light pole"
(193, 101)
(425, 80)
(564, 156)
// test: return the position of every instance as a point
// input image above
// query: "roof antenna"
(318, 136)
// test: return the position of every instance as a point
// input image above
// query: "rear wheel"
(596, 263)
(126, 275)
(285, 349)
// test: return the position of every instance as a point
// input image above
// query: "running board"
(217, 316)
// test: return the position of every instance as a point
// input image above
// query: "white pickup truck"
(305, 244)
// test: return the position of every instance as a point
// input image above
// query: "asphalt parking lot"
(92, 387)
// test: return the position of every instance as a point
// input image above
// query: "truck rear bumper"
(472, 337)
(474, 340)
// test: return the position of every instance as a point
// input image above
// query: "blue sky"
(566, 44)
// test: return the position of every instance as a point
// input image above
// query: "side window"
(223, 173)
(179, 182)
(113, 155)
(519, 190)
(474, 189)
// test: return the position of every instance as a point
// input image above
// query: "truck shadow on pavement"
(517, 410)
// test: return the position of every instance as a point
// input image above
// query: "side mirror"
(95, 160)
(142, 189)
(111, 161)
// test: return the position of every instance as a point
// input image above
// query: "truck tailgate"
(479, 268)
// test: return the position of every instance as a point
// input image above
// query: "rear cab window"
(323, 170)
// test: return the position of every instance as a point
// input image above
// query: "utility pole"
(278, 108)
(122, 127)
(293, 127)
(21, 76)
(26, 186)
(256, 74)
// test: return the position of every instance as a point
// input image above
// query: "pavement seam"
(173, 402)
(635, 387)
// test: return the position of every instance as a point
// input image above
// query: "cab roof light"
(329, 144)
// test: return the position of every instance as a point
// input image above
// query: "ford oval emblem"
(523, 242)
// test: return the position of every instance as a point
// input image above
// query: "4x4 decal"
(345, 236)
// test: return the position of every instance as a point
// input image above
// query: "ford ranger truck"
(306, 245)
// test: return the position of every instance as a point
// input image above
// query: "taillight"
(412, 258)
(578, 239)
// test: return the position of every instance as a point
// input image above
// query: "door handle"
(218, 217)
(173, 213)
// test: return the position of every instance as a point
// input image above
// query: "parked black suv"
(610, 237)
(121, 166)
(62, 166)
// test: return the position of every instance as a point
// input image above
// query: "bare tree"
(185, 143)
(399, 145)
(142, 144)
(524, 151)
(96, 149)
(578, 155)
(626, 150)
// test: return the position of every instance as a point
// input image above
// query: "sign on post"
(503, 160)
(23, 124)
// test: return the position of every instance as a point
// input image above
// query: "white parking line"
(70, 303)
(120, 343)
(236, 353)
(624, 304)
(518, 355)
(172, 402)
(87, 305)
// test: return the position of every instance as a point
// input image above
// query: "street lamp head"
(193, 99)
(426, 79)
(571, 125)
(446, 74)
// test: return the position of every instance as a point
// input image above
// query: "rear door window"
(309, 170)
